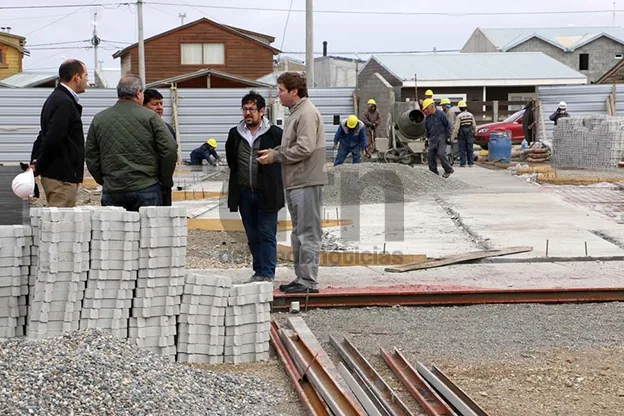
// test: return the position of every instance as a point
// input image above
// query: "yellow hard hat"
(429, 92)
(371, 102)
(445, 101)
(212, 142)
(427, 103)
(462, 104)
(352, 121)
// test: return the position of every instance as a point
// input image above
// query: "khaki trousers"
(59, 194)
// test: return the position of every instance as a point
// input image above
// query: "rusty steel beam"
(462, 395)
(423, 296)
(335, 398)
(420, 390)
(387, 400)
(462, 408)
(310, 399)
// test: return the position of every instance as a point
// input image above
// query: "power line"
(56, 43)
(58, 20)
(440, 51)
(67, 6)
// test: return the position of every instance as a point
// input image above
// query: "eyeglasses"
(249, 109)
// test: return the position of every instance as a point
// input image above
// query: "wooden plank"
(578, 180)
(459, 258)
(233, 224)
(355, 258)
(195, 195)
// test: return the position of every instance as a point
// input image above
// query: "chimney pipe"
(324, 48)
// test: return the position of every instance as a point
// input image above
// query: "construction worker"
(428, 96)
(351, 134)
(562, 112)
(446, 105)
(371, 119)
(464, 131)
(438, 131)
(204, 152)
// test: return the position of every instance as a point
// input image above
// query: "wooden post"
(495, 111)
(542, 122)
(174, 118)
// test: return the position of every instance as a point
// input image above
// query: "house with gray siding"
(590, 50)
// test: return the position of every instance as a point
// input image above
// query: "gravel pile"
(371, 181)
(92, 373)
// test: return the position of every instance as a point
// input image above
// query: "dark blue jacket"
(437, 125)
(351, 137)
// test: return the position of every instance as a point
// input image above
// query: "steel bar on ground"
(430, 401)
(339, 403)
(387, 397)
(358, 391)
(444, 391)
(310, 399)
(425, 296)
(458, 391)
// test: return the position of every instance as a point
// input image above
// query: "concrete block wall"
(378, 88)
(15, 258)
(588, 142)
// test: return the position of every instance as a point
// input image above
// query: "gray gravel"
(473, 332)
(92, 373)
(370, 181)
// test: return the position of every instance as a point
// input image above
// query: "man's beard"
(252, 123)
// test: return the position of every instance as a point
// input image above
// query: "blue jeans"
(343, 152)
(466, 145)
(437, 148)
(261, 230)
(132, 201)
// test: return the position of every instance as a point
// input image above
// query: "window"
(618, 56)
(202, 54)
(584, 62)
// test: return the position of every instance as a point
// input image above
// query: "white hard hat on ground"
(563, 105)
(24, 185)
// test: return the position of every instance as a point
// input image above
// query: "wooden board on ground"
(459, 258)
(578, 180)
(355, 258)
(233, 224)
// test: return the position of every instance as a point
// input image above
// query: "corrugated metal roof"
(566, 38)
(204, 72)
(489, 69)
(29, 79)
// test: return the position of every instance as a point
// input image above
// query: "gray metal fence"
(202, 113)
(582, 100)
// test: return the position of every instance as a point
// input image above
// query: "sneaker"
(284, 287)
(256, 278)
(299, 288)
(447, 174)
(471, 165)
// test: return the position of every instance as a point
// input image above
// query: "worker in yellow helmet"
(351, 134)
(371, 119)
(428, 96)
(465, 131)
(446, 105)
(438, 131)
(204, 152)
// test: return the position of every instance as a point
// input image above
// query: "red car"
(512, 123)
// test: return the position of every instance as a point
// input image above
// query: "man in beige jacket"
(302, 155)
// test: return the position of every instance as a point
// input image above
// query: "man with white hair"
(129, 150)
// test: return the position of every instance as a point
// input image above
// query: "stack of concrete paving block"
(160, 283)
(35, 221)
(14, 268)
(247, 323)
(25, 280)
(64, 236)
(113, 272)
(588, 142)
(201, 336)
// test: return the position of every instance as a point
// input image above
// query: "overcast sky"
(344, 32)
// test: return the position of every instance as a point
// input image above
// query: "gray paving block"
(54, 214)
(246, 358)
(214, 331)
(177, 222)
(58, 296)
(206, 291)
(154, 242)
(160, 262)
(152, 322)
(201, 320)
(255, 308)
(109, 293)
(63, 256)
(205, 300)
(162, 252)
(248, 329)
(164, 272)
(106, 303)
(65, 237)
(156, 302)
(251, 289)
(184, 340)
(159, 232)
(114, 264)
(246, 349)
(111, 284)
(115, 255)
(104, 313)
(47, 276)
(151, 332)
(13, 251)
(133, 227)
(158, 282)
(155, 311)
(169, 351)
(59, 268)
(164, 341)
(55, 306)
(247, 319)
(192, 348)
(78, 227)
(238, 340)
(70, 246)
(11, 262)
(10, 276)
(106, 245)
(118, 215)
(53, 317)
(162, 212)
(200, 358)
(119, 275)
(205, 310)
(114, 236)
(65, 286)
(10, 291)
(196, 279)
(51, 329)
(103, 323)
(8, 231)
(159, 292)
(250, 299)
(8, 242)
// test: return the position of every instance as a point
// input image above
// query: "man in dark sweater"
(438, 131)
(58, 153)
(256, 190)
(129, 150)
(153, 100)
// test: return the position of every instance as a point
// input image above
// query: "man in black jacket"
(58, 153)
(256, 190)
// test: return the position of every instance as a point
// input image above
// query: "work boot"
(447, 174)
(256, 278)
(299, 288)
(286, 286)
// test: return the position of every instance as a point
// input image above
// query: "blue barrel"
(499, 147)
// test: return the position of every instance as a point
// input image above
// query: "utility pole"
(181, 16)
(95, 41)
(141, 42)
(309, 43)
